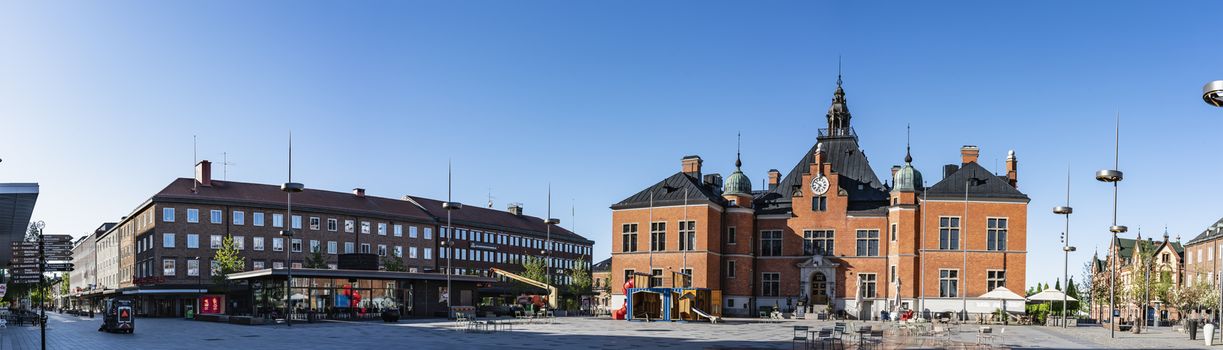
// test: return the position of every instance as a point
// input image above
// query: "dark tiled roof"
(476, 216)
(1209, 233)
(697, 193)
(857, 178)
(602, 266)
(984, 185)
(184, 189)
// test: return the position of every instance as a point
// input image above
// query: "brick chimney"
(774, 178)
(969, 154)
(359, 192)
(691, 165)
(895, 168)
(1012, 169)
(203, 173)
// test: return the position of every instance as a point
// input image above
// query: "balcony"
(847, 132)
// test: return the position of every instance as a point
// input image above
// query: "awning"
(16, 205)
(362, 274)
(164, 291)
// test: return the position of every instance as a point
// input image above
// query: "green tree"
(225, 261)
(1039, 288)
(535, 268)
(1086, 300)
(64, 288)
(1137, 291)
(580, 278)
(390, 263)
(316, 259)
(31, 234)
(1057, 284)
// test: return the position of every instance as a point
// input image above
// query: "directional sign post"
(60, 267)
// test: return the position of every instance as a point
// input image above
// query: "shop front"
(348, 294)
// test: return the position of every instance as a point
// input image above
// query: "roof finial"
(908, 136)
(738, 145)
(838, 70)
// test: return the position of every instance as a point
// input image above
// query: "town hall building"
(829, 234)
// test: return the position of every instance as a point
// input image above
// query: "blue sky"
(99, 102)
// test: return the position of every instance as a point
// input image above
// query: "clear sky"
(99, 101)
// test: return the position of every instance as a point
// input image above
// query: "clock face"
(819, 185)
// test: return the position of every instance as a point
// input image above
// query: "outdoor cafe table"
(814, 333)
(862, 333)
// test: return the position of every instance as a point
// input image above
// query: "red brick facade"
(879, 239)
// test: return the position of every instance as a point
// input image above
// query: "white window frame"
(167, 240)
(167, 214)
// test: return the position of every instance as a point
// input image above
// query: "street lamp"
(1212, 93)
(448, 244)
(1113, 176)
(42, 287)
(1066, 248)
(289, 188)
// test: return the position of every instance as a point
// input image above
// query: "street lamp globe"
(1212, 93)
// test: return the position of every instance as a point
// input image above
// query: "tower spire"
(738, 146)
(838, 71)
(908, 137)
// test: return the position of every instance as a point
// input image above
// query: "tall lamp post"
(448, 244)
(1212, 94)
(1113, 176)
(289, 188)
(1066, 248)
(42, 284)
(547, 252)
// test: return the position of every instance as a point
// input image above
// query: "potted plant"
(390, 314)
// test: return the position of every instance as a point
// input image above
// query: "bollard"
(1208, 332)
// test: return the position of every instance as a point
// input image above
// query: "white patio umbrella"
(1003, 294)
(1051, 295)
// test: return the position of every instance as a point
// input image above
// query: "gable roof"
(697, 193)
(602, 266)
(476, 216)
(856, 177)
(981, 185)
(244, 193)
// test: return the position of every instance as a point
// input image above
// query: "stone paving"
(70, 332)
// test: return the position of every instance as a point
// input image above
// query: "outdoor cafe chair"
(800, 334)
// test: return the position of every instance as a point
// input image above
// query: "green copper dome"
(738, 183)
(907, 179)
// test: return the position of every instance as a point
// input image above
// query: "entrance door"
(819, 289)
(865, 312)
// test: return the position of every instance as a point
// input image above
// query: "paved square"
(70, 332)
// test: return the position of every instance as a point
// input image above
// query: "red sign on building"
(212, 304)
